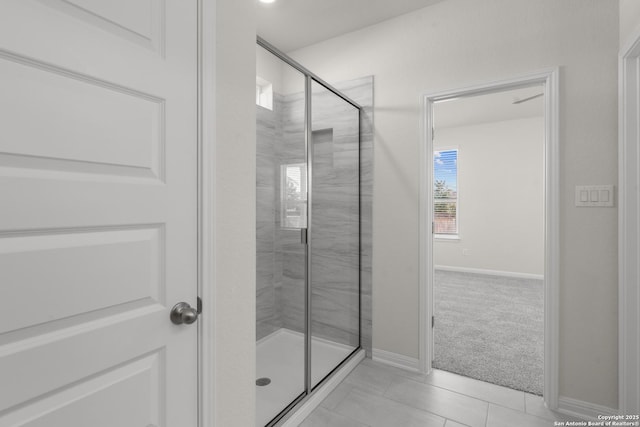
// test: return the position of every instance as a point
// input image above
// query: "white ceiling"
(293, 24)
(492, 107)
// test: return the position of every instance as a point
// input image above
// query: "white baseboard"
(584, 410)
(490, 272)
(320, 394)
(396, 360)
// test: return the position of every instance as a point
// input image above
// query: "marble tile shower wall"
(268, 132)
(291, 150)
(361, 91)
(280, 258)
(335, 221)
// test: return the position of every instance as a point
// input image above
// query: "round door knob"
(183, 313)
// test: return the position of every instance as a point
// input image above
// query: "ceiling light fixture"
(267, 1)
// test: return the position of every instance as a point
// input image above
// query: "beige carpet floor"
(490, 328)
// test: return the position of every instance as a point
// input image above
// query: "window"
(445, 193)
(294, 195)
(264, 93)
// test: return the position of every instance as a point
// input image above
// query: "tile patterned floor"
(378, 395)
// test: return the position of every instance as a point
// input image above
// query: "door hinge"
(199, 305)
(433, 227)
(433, 321)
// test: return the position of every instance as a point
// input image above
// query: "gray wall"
(629, 19)
(334, 245)
(231, 135)
(457, 43)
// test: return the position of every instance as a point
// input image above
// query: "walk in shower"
(308, 233)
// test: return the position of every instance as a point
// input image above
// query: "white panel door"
(98, 208)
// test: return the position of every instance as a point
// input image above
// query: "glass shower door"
(308, 233)
(281, 214)
(334, 244)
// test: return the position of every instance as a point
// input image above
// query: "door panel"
(281, 212)
(100, 269)
(77, 137)
(85, 402)
(98, 180)
(335, 232)
(139, 21)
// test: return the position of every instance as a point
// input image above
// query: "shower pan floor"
(280, 357)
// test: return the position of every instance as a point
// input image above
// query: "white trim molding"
(629, 227)
(206, 209)
(549, 78)
(396, 360)
(583, 410)
(486, 272)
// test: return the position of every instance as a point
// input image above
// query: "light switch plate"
(595, 195)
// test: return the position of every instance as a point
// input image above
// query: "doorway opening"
(489, 234)
(488, 237)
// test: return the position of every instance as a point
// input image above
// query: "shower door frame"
(310, 77)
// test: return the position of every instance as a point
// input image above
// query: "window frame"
(447, 236)
(264, 93)
(303, 218)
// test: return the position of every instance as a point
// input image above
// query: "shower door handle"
(303, 236)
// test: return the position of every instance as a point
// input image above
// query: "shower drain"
(263, 381)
